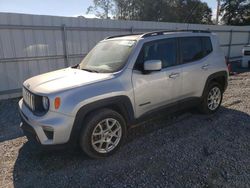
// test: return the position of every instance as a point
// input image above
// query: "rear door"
(195, 55)
(158, 88)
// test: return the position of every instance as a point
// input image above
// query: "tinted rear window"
(194, 48)
(191, 49)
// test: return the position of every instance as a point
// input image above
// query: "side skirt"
(170, 109)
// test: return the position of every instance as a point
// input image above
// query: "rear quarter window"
(207, 45)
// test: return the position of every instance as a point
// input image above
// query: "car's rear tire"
(103, 133)
(212, 99)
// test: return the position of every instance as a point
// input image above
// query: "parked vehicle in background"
(120, 82)
(246, 57)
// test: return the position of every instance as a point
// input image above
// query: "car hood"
(63, 79)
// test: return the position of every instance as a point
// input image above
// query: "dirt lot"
(181, 150)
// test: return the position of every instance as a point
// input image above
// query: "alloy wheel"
(106, 135)
(214, 98)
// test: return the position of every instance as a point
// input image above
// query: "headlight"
(45, 103)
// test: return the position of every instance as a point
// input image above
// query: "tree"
(102, 8)
(191, 11)
(235, 12)
(164, 10)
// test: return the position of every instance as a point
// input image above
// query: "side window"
(191, 49)
(165, 50)
(207, 45)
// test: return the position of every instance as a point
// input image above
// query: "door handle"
(174, 75)
(205, 67)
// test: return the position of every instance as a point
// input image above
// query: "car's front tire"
(103, 132)
(212, 98)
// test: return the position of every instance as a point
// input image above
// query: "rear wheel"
(212, 99)
(103, 133)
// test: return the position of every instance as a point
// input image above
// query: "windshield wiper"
(75, 66)
(90, 70)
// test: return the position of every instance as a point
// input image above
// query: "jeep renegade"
(122, 80)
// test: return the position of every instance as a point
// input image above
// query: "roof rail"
(162, 32)
(115, 36)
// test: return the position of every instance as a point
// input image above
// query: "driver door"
(157, 88)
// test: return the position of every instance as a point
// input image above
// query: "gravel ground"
(179, 150)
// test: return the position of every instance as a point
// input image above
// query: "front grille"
(33, 102)
(247, 53)
(29, 99)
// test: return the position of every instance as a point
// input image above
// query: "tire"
(206, 107)
(97, 140)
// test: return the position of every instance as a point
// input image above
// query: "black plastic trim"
(49, 134)
(146, 103)
(169, 108)
(122, 104)
(28, 131)
(214, 76)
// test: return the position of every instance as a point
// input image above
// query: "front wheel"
(103, 133)
(212, 99)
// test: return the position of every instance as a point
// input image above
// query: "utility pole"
(218, 12)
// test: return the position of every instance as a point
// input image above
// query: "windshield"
(107, 56)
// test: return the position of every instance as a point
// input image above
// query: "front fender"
(122, 102)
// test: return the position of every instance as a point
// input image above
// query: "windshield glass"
(107, 56)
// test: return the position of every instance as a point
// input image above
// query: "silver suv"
(122, 80)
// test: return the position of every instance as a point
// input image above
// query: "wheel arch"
(120, 104)
(219, 77)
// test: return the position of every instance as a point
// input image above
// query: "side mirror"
(152, 65)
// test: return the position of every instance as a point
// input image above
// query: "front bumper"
(50, 129)
(29, 132)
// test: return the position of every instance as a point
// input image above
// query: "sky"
(71, 8)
